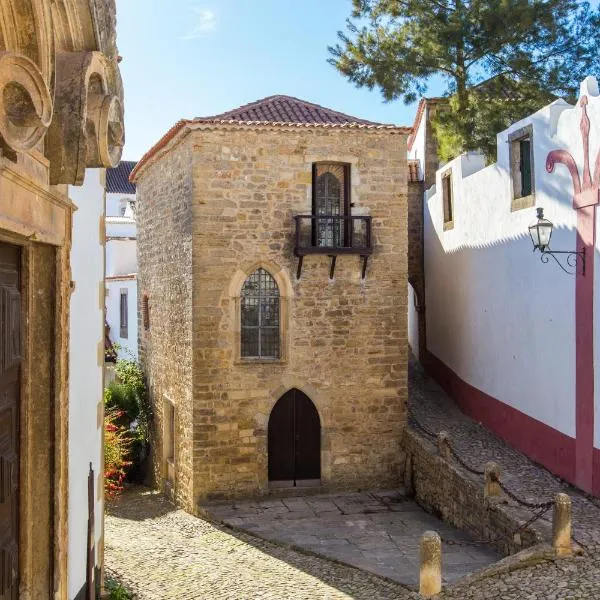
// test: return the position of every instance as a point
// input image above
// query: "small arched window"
(260, 309)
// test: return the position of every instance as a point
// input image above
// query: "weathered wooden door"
(10, 363)
(294, 443)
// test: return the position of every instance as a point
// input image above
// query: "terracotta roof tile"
(117, 178)
(276, 111)
(286, 109)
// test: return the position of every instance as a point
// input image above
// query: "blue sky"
(187, 58)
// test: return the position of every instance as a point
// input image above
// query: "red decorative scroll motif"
(585, 193)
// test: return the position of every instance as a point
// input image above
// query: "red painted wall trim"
(584, 353)
(596, 486)
(543, 444)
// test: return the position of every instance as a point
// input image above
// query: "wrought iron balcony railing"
(332, 235)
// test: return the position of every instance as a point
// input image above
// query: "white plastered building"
(121, 260)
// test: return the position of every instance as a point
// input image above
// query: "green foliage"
(117, 445)
(123, 397)
(130, 375)
(490, 108)
(539, 48)
(128, 397)
(115, 590)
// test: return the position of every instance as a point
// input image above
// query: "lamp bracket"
(574, 258)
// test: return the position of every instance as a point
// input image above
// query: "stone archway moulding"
(59, 80)
(286, 292)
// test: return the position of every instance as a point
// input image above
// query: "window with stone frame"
(331, 202)
(521, 168)
(448, 200)
(260, 317)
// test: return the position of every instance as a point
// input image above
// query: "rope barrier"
(536, 506)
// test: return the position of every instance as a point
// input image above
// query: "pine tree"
(535, 49)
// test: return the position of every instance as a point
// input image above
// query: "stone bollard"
(443, 441)
(492, 476)
(561, 525)
(430, 576)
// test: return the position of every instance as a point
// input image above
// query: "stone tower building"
(272, 245)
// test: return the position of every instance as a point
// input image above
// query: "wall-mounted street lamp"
(541, 232)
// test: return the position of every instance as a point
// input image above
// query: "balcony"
(332, 235)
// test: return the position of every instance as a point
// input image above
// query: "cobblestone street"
(157, 551)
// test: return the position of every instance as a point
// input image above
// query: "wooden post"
(561, 525)
(91, 540)
(492, 476)
(430, 576)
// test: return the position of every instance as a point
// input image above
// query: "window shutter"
(525, 166)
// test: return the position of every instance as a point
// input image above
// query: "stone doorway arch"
(294, 439)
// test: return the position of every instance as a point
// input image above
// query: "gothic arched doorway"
(294, 439)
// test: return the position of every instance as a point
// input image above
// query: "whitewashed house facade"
(514, 340)
(121, 260)
(86, 406)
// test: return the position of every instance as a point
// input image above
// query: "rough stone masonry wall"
(164, 219)
(347, 338)
(455, 496)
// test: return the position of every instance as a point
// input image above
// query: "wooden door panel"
(10, 363)
(281, 439)
(308, 438)
(294, 442)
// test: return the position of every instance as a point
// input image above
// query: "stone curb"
(534, 555)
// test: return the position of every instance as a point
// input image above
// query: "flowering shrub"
(117, 442)
(129, 397)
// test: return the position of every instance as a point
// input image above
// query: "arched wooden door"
(294, 439)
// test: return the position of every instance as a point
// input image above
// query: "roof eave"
(172, 137)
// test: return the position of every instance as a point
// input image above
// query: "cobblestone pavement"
(475, 444)
(159, 552)
(375, 531)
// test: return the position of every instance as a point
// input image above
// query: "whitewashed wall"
(85, 369)
(121, 256)
(417, 151)
(114, 203)
(413, 322)
(121, 265)
(499, 318)
(129, 345)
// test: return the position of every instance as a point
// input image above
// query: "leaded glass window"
(259, 304)
(330, 201)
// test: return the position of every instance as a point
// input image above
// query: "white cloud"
(204, 24)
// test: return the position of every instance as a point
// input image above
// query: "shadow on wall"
(504, 323)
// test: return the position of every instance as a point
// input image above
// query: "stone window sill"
(522, 202)
(260, 361)
(448, 225)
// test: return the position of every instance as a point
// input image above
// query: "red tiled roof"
(414, 171)
(286, 109)
(282, 111)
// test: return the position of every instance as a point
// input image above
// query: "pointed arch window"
(331, 203)
(260, 316)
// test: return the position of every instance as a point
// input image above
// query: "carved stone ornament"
(25, 103)
(87, 128)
